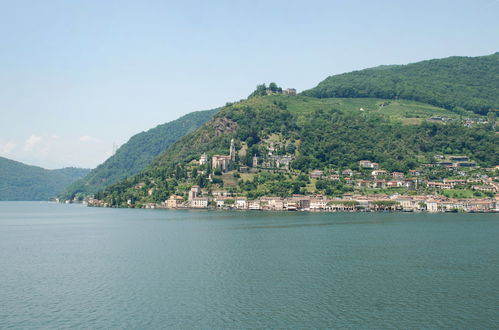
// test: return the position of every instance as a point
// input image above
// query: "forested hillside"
(21, 182)
(317, 137)
(454, 83)
(137, 153)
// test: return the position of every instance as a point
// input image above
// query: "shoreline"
(301, 210)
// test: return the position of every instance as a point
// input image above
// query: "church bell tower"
(232, 151)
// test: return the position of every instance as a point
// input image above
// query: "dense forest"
(21, 182)
(341, 140)
(454, 83)
(137, 153)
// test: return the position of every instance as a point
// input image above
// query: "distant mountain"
(453, 83)
(21, 182)
(137, 153)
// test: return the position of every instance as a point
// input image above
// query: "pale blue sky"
(76, 76)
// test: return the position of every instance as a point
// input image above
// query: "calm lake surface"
(70, 266)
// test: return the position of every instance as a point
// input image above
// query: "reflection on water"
(69, 266)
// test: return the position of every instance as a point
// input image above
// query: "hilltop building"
(203, 160)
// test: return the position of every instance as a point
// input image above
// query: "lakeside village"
(369, 188)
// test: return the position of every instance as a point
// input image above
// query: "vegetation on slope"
(137, 153)
(21, 182)
(318, 137)
(454, 83)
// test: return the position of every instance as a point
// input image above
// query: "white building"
(199, 203)
(241, 203)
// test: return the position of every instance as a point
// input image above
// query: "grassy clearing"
(247, 176)
(229, 179)
(408, 112)
(462, 193)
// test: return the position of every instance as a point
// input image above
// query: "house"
(334, 177)
(221, 193)
(272, 203)
(174, 202)
(338, 205)
(316, 174)
(199, 203)
(394, 184)
(362, 183)
(223, 202)
(378, 173)
(348, 172)
(241, 203)
(408, 203)
(480, 205)
(397, 175)
(302, 201)
(317, 204)
(254, 205)
(454, 183)
(274, 161)
(378, 184)
(291, 205)
(194, 192)
(439, 185)
(368, 164)
(203, 160)
(486, 188)
(290, 91)
(431, 205)
(451, 204)
(410, 182)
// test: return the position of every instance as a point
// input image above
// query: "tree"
(491, 119)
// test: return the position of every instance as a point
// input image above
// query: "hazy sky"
(77, 76)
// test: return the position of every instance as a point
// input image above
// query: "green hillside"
(406, 111)
(21, 182)
(453, 83)
(318, 134)
(137, 153)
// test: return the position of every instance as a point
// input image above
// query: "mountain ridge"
(22, 182)
(455, 83)
(136, 154)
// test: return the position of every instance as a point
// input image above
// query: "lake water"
(69, 266)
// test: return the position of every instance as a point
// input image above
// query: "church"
(223, 162)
